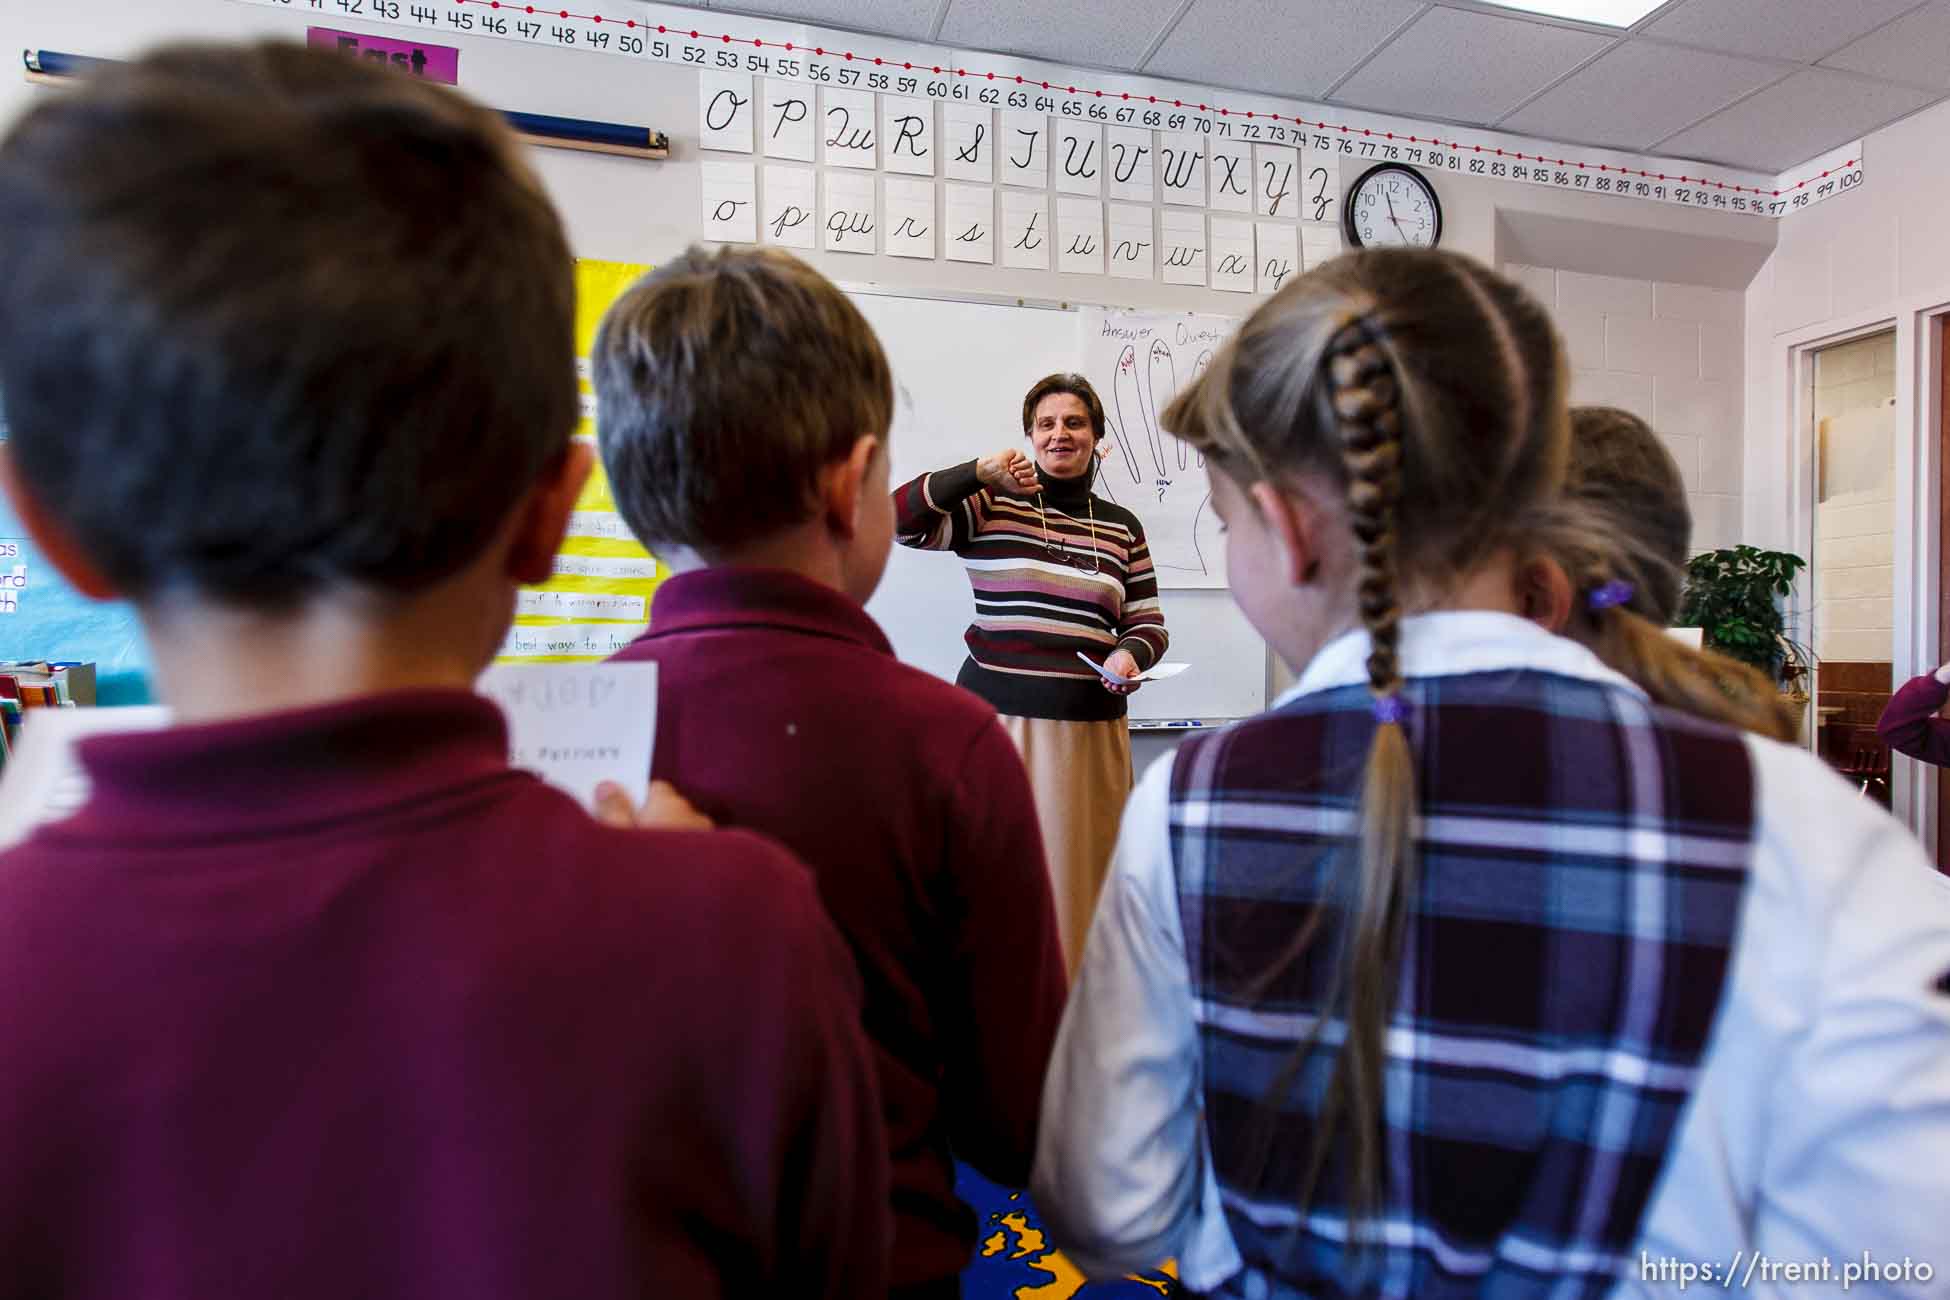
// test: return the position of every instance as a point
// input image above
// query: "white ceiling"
(1760, 84)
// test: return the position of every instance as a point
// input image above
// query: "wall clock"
(1392, 206)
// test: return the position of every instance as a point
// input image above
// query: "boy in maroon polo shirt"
(317, 997)
(745, 406)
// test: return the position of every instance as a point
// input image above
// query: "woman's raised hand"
(1008, 471)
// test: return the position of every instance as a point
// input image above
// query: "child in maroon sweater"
(316, 997)
(1909, 723)
(744, 406)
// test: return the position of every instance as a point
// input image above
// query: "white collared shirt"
(1820, 1125)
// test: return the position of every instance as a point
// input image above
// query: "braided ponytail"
(1362, 390)
(1364, 395)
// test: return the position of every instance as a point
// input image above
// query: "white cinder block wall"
(1672, 355)
(1854, 537)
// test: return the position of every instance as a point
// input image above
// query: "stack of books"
(39, 684)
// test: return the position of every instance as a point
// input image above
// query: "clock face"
(1393, 206)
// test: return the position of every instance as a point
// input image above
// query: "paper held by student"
(577, 725)
(1157, 673)
(573, 725)
(44, 782)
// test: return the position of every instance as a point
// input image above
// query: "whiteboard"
(1139, 361)
(960, 370)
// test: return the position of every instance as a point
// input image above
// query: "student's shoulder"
(1816, 826)
(1261, 747)
(1708, 764)
(925, 703)
(540, 829)
(1818, 848)
(719, 892)
(703, 873)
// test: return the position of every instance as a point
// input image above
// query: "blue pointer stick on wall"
(53, 63)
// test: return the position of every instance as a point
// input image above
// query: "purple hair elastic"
(1390, 710)
(1612, 594)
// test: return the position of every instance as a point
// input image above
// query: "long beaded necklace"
(1063, 553)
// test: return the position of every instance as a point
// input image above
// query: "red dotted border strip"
(850, 56)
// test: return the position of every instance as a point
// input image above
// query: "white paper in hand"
(578, 725)
(1156, 673)
(44, 780)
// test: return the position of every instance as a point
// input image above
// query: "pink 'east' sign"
(434, 62)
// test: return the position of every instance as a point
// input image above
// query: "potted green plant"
(1734, 596)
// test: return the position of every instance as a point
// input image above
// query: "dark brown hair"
(277, 320)
(725, 383)
(1431, 390)
(1073, 384)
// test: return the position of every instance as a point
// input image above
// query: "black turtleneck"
(1068, 491)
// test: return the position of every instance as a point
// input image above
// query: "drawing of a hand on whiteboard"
(1146, 359)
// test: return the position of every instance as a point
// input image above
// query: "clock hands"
(1392, 217)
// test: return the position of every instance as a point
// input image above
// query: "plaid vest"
(1582, 859)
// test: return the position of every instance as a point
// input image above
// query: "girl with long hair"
(1467, 969)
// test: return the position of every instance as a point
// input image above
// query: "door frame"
(1916, 637)
(1934, 824)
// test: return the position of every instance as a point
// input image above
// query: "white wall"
(1854, 537)
(1672, 355)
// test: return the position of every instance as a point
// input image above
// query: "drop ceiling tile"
(1467, 66)
(1916, 47)
(1794, 120)
(1802, 30)
(1112, 35)
(1297, 48)
(1638, 93)
(907, 19)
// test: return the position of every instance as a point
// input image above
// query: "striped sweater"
(1035, 610)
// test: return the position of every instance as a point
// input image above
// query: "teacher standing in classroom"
(1057, 570)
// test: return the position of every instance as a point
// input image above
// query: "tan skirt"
(1081, 775)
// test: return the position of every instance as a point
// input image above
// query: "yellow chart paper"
(598, 600)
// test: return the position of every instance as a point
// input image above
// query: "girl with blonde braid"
(1467, 970)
